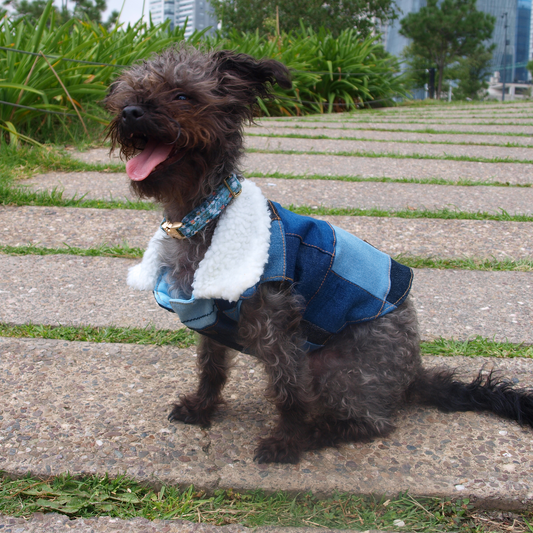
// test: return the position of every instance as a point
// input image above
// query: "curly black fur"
(350, 389)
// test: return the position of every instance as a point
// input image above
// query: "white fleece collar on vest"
(239, 249)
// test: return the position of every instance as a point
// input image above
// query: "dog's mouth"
(154, 154)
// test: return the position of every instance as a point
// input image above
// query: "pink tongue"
(142, 165)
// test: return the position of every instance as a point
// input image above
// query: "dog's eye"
(181, 97)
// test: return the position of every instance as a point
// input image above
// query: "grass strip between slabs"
(423, 129)
(364, 120)
(128, 252)
(366, 139)
(124, 498)
(360, 179)
(181, 338)
(185, 338)
(393, 155)
(20, 197)
(448, 214)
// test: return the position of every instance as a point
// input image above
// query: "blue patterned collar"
(207, 211)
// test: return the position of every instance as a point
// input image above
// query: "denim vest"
(342, 279)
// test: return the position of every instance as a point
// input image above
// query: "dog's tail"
(441, 389)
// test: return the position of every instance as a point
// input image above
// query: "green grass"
(393, 155)
(125, 251)
(401, 130)
(24, 162)
(359, 179)
(124, 498)
(430, 121)
(476, 347)
(366, 139)
(182, 338)
(447, 214)
(508, 265)
(104, 250)
(20, 196)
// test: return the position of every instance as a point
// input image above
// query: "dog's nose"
(132, 113)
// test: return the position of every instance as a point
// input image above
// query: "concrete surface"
(102, 408)
(412, 125)
(55, 523)
(266, 129)
(89, 228)
(109, 415)
(410, 149)
(326, 193)
(68, 290)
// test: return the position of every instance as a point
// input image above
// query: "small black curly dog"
(335, 375)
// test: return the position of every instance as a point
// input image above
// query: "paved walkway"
(91, 228)
(110, 416)
(389, 148)
(97, 408)
(70, 290)
(327, 193)
(402, 136)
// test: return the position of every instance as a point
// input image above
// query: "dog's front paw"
(183, 413)
(277, 450)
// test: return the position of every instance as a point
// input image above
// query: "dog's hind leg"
(363, 376)
(269, 328)
(197, 408)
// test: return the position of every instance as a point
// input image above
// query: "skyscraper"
(197, 14)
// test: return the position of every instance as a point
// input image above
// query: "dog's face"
(181, 115)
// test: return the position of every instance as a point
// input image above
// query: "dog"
(328, 316)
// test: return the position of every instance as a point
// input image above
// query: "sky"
(131, 13)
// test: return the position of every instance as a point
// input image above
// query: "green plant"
(40, 85)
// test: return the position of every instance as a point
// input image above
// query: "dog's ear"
(244, 75)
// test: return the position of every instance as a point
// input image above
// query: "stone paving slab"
(339, 145)
(70, 290)
(326, 193)
(369, 167)
(76, 227)
(420, 125)
(331, 193)
(443, 119)
(69, 226)
(56, 523)
(397, 196)
(266, 129)
(109, 415)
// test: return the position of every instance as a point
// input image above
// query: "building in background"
(197, 14)
(519, 38)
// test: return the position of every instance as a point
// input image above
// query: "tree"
(83, 9)
(445, 31)
(472, 71)
(529, 67)
(335, 15)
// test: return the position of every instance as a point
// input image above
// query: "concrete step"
(101, 408)
(392, 136)
(370, 167)
(56, 523)
(343, 166)
(332, 193)
(397, 196)
(510, 120)
(58, 227)
(421, 125)
(70, 290)
(339, 145)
